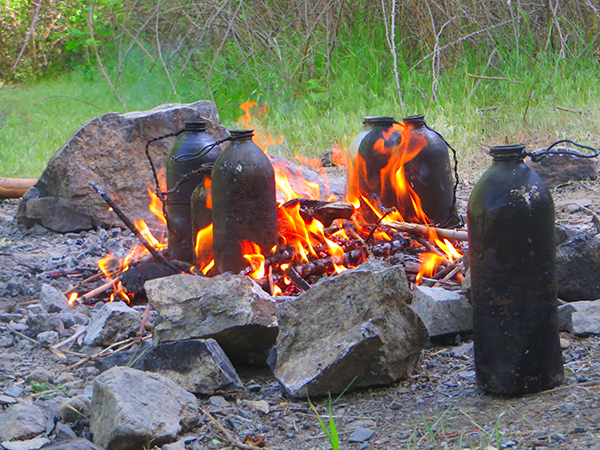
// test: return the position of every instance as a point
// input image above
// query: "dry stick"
(27, 39)
(574, 111)
(94, 277)
(155, 253)
(125, 344)
(232, 439)
(424, 230)
(489, 62)
(450, 275)
(66, 96)
(78, 333)
(99, 290)
(390, 35)
(475, 33)
(481, 77)
(160, 50)
(225, 37)
(99, 60)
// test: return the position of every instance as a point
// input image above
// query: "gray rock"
(30, 444)
(45, 322)
(114, 320)
(7, 400)
(179, 445)
(22, 421)
(75, 408)
(35, 309)
(40, 376)
(48, 338)
(53, 300)
(131, 408)
(580, 318)
(577, 261)
(13, 391)
(108, 151)
(232, 309)
(64, 432)
(349, 331)
(198, 366)
(442, 311)
(6, 341)
(75, 444)
(558, 169)
(67, 318)
(361, 435)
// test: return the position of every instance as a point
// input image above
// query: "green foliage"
(318, 74)
(51, 38)
(330, 430)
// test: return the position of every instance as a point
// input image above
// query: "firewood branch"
(424, 230)
(129, 224)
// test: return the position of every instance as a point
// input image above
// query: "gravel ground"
(438, 407)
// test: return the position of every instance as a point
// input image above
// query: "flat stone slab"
(442, 311)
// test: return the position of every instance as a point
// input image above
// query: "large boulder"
(558, 169)
(577, 262)
(109, 151)
(349, 331)
(231, 309)
(131, 408)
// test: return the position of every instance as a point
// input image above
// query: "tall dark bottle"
(429, 173)
(244, 205)
(374, 153)
(512, 253)
(185, 156)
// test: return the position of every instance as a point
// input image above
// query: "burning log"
(324, 212)
(15, 187)
(129, 224)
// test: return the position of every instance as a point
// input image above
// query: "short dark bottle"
(186, 155)
(512, 252)
(429, 173)
(374, 153)
(244, 205)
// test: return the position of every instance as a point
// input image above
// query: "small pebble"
(361, 434)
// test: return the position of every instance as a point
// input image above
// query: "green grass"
(312, 115)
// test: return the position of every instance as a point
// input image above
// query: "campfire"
(320, 235)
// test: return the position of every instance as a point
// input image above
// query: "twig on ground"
(232, 439)
(124, 345)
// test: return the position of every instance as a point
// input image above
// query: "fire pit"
(319, 234)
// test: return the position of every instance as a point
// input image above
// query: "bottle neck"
(508, 153)
(417, 121)
(194, 127)
(241, 135)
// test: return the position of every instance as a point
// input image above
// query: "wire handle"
(200, 153)
(538, 155)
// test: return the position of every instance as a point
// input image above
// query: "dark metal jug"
(512, 253)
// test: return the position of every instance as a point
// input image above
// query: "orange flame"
(256, 259)
(73, 298)
(203, 249)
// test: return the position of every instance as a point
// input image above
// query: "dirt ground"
(438, 407)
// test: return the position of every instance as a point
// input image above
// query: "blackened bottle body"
(185, 156)
(244, 205)
(374, 152)
(512, 253)
(429, 173)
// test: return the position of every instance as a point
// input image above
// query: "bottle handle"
(200, 153)
(538, 155)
